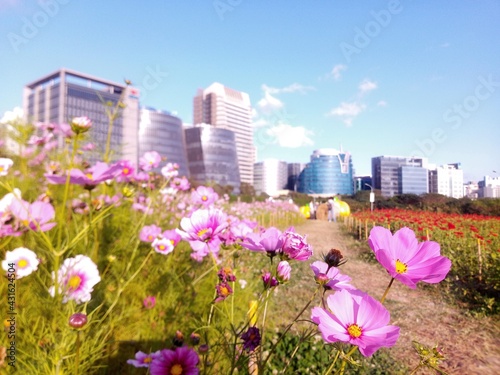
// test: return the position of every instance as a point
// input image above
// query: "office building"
(211, 155)
(229, 109)
(489, 187)
(329, 172)
(270, 177)
(65, 94)
(400, 175)
(162, 132)
(294, 171)
(447, 180)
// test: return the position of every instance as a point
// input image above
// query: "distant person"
(312, 210)
(329, 205)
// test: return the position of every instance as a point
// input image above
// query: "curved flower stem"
(387, 291)
(344, 361)
(333, 363)
(415, 369)
(271, 351)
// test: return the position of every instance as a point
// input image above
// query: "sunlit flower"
(201, 230)
(295, 246)
(270, 241)
(407, 260)
(251, 339)
(181, 361)
(149, 161)
(204, 195)
(149, 233)
(76, 278)
(330, 277)
(357, 319)
(5, 165)
(142, 359)
(25, 261)
(170, 170)
(162, 245)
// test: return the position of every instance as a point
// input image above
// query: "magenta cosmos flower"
(330, 277)
(295, 246)
(202, 231)
(76, 278)
(357, 319)
(270, 241)
(407, 260)
(183, 360)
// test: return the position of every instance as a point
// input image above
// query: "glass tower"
(329, 172)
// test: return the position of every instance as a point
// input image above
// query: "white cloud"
(294, 87)
(347, 111)
(337, 69)
(291, 136)
(382, 103)
(366, 86)
(269, 103)
(9, 116)
(260, 123)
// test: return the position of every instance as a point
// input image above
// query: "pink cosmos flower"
(295, 246)
(330, 277)
(357, 319)
(149, 161)
(181, 183)
(407, 260)
(204, 195)
(172, 236)
(162, 245)
(126, 172)
(270, 241)
(170, 170)
(269, 280)
(149, 302)
(183, 360)
(149, 233)
(76, 278)
(142, 359)
(92, 177)
(36, 216)
(283, 271)
(202, 231)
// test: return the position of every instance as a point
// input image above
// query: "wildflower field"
(471, 242)
(115, 268)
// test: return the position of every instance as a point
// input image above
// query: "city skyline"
(384, 78)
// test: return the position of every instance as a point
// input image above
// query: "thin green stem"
(344, 361)
(333, 363)
(387, 291)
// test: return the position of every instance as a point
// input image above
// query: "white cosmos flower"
(5, 164)
(24, 259)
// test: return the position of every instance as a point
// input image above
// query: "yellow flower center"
(202, 232)
(401, 267)
(223, 291)
(204, 198)
(1, 168)
(150, 238)
(354, 331)
(126, 171)
(22, 263)
(74, 282)
(148, 360)
(89, 176)
(172, 242)
(176, 369)
(162, 247)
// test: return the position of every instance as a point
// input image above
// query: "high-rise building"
(400, 175)
(294, 171)
(329, 172)
(270, 176)
(226, 108)
(162, 132)
(447, 180)
(212, 155)
(64, 94)
(489, 187)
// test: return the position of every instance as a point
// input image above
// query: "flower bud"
(195, 338)
(321, 278)
(178, 339)
(81, 124)
(334, 258)
(78, 320)
(283, 271)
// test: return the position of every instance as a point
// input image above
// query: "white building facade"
(270, 177)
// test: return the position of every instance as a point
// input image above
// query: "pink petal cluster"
(357, 319)
(182, 360)
(204, 195)
(37, 216)
(90, 178)
(149, 161)
(406, 259)
(330, 277)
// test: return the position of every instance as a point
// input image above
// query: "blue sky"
(375, 77)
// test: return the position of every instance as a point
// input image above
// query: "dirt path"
(471, 346)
